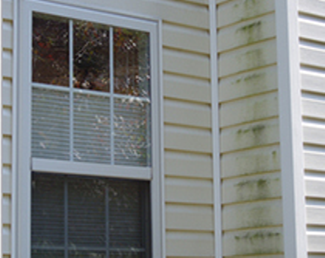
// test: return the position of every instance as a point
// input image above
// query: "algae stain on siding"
(253, 189)
(257, 236)
(259, 242)
(256, 130)
(251, 32)
(254, 58)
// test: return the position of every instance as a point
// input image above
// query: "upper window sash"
(111, 20)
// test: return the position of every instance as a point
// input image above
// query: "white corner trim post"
(215, 130)
(291, 135)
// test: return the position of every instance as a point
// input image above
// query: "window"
(88, 165)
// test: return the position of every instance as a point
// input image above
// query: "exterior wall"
(187, 120)
(250, 154)
(312, 70)
(7, 92)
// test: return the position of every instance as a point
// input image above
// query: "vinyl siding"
(249, 139)
(7, 69)
(312, 70)
(187, 120)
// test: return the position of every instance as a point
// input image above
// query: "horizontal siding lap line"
(249, 70)
(247, 58)
(249, 122)
(252, 95)
(251, 174)
(251, 109)
(257, 241)
(190, 205)
(260, 214)
(190, 231)
(193, 50)
(305, 68)
(248, 84)
(241, 72)
(238, 230)
(251, 201)
(245, 45)
(192, 2)
(245, 33)
(276, 143)
(236, 23)
(239, 10)
(312, 7)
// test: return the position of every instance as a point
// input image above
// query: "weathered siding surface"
(312, 69)
(187, 119)
(248, 98)
(7, 70)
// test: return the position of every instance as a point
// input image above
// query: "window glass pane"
(50, 50)
(48, 213)
(91, 56)
(50, 124)
(131, 62)
(89, 216)
(92, 128)
(132, 141)
(87, 254)
(47, 254)
(86, 213)
(126, 255)
(126, 221)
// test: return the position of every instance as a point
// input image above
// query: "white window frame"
(25, 164)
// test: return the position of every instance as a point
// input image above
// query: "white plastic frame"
(25, 164)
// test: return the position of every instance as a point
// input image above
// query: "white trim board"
(215, 131)
(292, 173)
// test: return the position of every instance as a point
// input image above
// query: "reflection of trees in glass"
(91, 56)
(131, 62)
(132, 133)
(50, 50)
(92, 114)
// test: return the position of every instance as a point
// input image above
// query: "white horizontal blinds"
(86, 214)
(132, 141)
(91, 126)
(108, 112)
(50, 123)
(93, 217)
(50, 105)
(132, 137)
(47, 206)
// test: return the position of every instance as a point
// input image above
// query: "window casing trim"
(25, 164)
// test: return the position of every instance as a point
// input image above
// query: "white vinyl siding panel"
(187, 132)
(249, 136)
(7, 119)
(312, 43)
